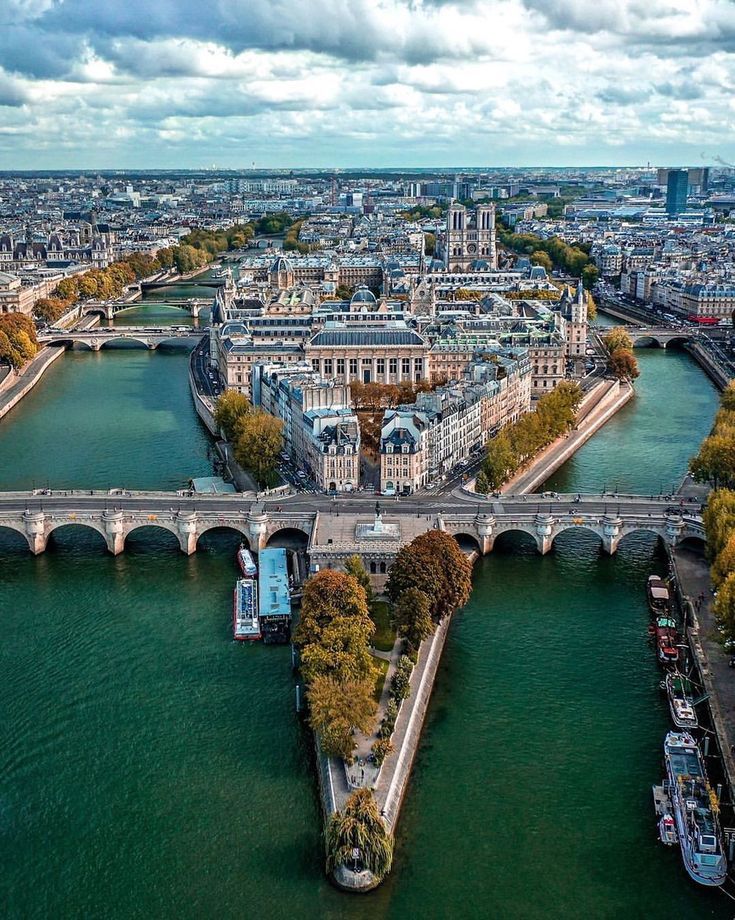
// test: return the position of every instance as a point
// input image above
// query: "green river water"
(151, 767)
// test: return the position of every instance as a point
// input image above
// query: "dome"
(281, 264)
(363, 295)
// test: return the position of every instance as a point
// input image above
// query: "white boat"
(667, 830)
(246, 562)
(681, 706)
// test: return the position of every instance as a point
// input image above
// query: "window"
(315, 364)
(393, 365)
(327, 367)
(340, 367)
(380, 366)
(418, 365)
(405, 365)
(367, 362)
(353, 365)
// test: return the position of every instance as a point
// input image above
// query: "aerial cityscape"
(367, 459)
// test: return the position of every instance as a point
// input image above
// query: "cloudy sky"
(191, 83)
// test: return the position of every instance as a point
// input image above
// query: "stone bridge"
(98, 336)
(661, 336)
(110, 308)
(329, 532)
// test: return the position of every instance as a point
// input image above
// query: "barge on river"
(274, 607)
(695, 810)
(245, 610)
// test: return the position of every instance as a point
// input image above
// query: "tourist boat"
(219, 273)
(658, 594)
(246, 562)
(695, 809)
(665, 636)
(681, 706)
(245, 610)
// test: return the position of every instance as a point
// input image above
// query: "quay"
(15, 386)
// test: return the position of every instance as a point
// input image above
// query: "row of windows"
(336, 366)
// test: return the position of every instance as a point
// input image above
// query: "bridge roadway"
(330, 529)
(98, 336)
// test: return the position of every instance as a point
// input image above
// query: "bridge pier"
(257, 523)
(674, 528)
(544, 527)
(113, 524)
(611, 533)
(485, 524)
(34, 523)
(186, 524)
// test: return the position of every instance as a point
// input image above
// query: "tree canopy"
(359, 828)
(230, 407)
(258, 440)
(715, 462)
(17, 339)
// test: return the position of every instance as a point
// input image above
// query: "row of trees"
(554, 415)
(17, 339)
(715, 462)
(719, 527)
(256, 436)
(622, 360)
(552, 253)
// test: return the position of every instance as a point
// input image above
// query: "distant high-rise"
(677, 186)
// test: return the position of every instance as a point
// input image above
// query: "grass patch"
(385, 636)
(382, 666)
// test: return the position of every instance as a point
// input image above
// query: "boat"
(667, 830)
(665, 638)
(681, 706)
(245, 610)
(658, 594)
(274, 605)
(246, 562)
(695, 809)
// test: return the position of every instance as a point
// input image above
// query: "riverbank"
(597, 408)
(13, 388)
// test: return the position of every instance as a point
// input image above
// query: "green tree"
(412, 616)
(433, 563)
(339, 708)
(355, 567)
(715, 461)
(359, 827)
(618, 338)
(258, 442)
(230, 407)
(429, 244)
(501, 460)
(482, 483)
(542, 258)
(590, 276)
(724, 606)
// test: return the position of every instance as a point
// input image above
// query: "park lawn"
(382, 666)
(385, 636)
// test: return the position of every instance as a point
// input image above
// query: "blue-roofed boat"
(245, 610)
(274, 603)
(695, 810)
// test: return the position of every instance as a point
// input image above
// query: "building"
(422, 442)
(320, 430)
(469, 236)
(677, 189)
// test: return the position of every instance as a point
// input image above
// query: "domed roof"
(281, 264)
(363, 295)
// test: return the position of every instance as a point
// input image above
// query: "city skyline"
(365, 84)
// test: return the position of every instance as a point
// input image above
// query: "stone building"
(469, 236)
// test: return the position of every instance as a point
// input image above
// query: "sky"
(374, 83)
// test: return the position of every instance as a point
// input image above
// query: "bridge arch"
(289, 537)
(577, 529)
(123, 338)
(146, 528)
(635, 535)
(237, 532)
(647, 341)
(12, 539)
(514, 540)
(468, 542)
(55, 528)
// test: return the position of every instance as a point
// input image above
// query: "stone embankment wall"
(13, 388)
(714, 371)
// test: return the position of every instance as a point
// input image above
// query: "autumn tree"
(434, 564)
(719, 520)
(724, 564)
(21, 343)
(339, 708)
(724, 606)
(542, 258)
(412, 616)
(258, 440)
(618, 338)
(359, 828)
(230, 407)
(49, 309)
(624, 364)
(355, 567)
(715, 461)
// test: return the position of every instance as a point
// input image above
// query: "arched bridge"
(661, 336)
(208, 283)
(102, 335)
(330, 531)
(110, 308)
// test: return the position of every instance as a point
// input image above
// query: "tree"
(719, 520)
(724, 564)
(8, 352)
(230, 407)
(724, 606)
(359, 827)
(542, 258)
(338, 708)
(590, 276)
(22, 344)
(433, 563)
(727, 399)
(355, 567)
(258, 442)
(482, 483)
(49, 309)
(412, 616)
(715, 461)
(68, 289)
(501, 460)
(617, 338)
(623, 364)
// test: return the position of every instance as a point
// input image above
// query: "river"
(150, 767)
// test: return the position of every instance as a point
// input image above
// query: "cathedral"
(469, 238)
